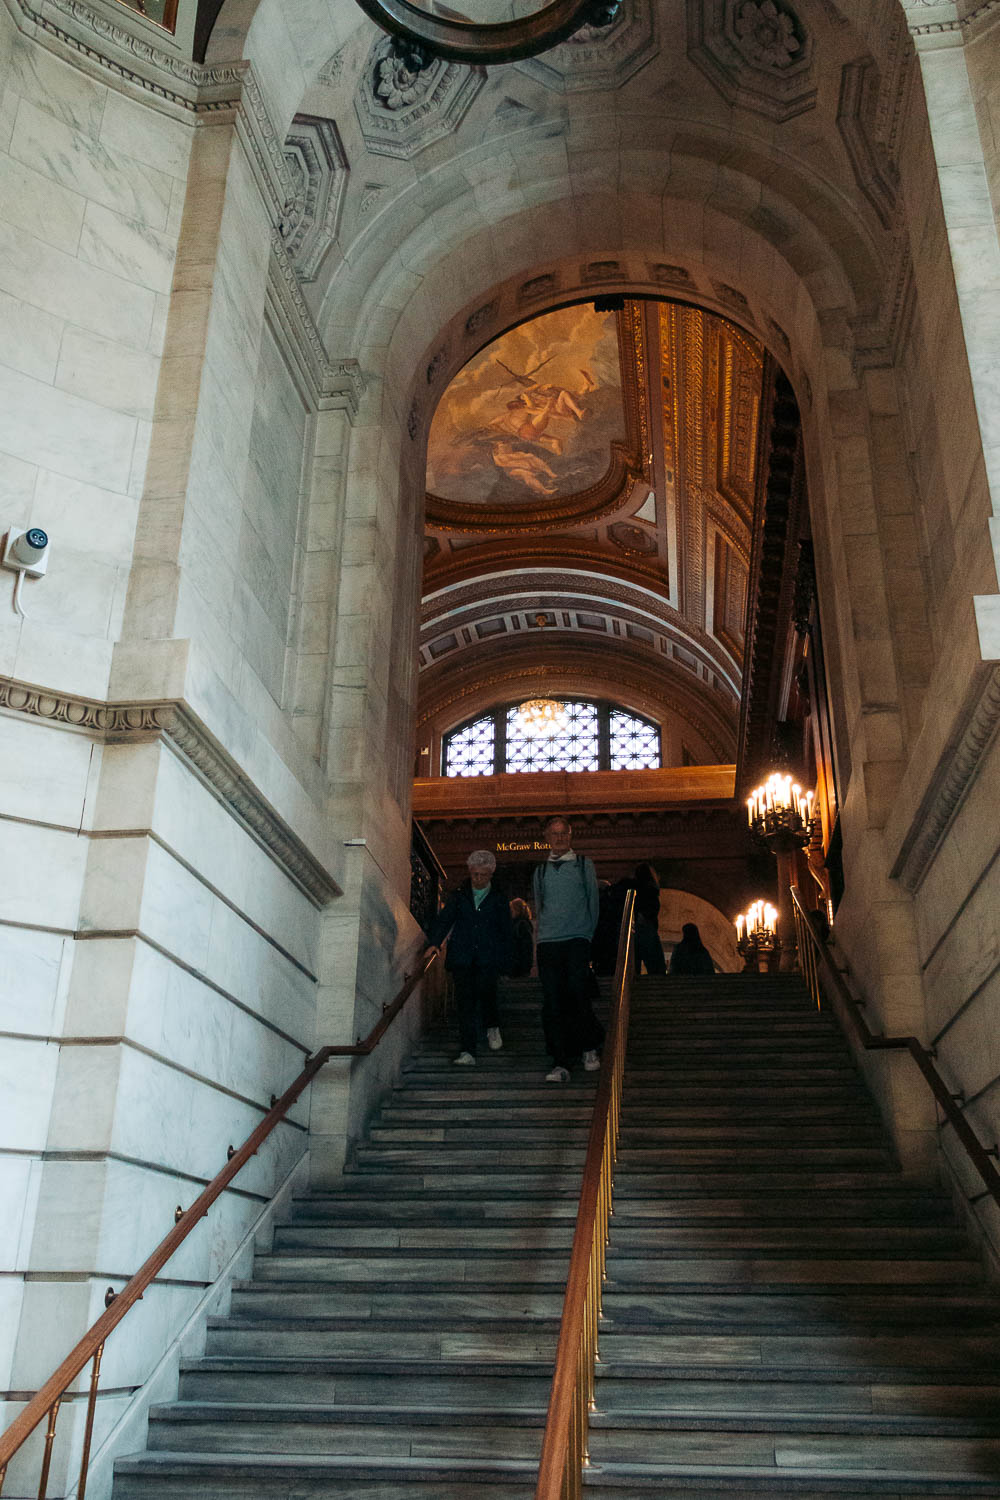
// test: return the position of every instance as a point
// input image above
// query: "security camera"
(26, 551)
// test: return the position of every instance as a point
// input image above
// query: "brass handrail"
(821, 972)
(564, 1446)
(47, 1400)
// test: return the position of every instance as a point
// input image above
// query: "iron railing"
(564, 1447)
(44, 1405)
(824, 979)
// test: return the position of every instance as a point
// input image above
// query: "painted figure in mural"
(516, 433)
(533, 415)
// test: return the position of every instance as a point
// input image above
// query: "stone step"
(549, 1110)
(694, 1482)
(860, 1452)
(371, 1380)
(442, 1431)
(845, 1269)
(327, 1300)
(663, 1136)
(753, 1393)
(393, 1233)
(182, 1476)
(956, 1353)
(433, 1337)
(360, 1195)
(332, 1307)
(818, 1308)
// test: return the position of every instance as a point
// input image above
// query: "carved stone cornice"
(172, 721)
(949, 30)
(973, 734)
(331, 384)
(71, 27)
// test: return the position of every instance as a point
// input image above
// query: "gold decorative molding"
(173, 722)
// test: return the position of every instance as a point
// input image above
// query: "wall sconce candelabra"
(757, 935)
(781, 817)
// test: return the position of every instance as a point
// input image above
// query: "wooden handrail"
(47, 1399)
(817, 962)
(564, 1444)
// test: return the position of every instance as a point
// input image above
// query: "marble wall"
(161, 965)
(92, 186)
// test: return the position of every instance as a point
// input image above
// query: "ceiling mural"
(592, 479)
(534, 414)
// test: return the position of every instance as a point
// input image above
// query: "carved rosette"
(407, 99)
(757, 53)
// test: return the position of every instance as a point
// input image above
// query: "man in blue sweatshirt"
(566, 900)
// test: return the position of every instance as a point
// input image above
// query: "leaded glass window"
(635, 743)
(469, 751)
(547, 735)
(573, 746)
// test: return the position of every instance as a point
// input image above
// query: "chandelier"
(757, 934)
(542, 718)
(780, 812)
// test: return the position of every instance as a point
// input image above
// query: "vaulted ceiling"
(592, 477)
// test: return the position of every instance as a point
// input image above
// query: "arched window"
(542, 735)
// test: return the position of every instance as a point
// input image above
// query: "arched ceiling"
(592, 477)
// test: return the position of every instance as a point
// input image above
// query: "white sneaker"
(558, 1075)
(465, 1060)
(591, 1061)
(493, 1038)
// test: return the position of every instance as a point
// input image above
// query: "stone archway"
(717, 933)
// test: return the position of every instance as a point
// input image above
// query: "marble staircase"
(784, 1314)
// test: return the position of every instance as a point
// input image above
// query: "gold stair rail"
(564, 1446)
(823, 977)
(47, 1401)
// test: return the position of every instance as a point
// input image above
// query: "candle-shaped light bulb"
(739, 928)
(750, 812)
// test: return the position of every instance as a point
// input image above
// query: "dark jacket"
(480, 937)
(691, 958)
(522, 947)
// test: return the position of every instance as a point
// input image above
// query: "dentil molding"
(69, 27)
(173, 722)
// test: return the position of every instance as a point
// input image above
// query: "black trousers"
(568, 1018)
(648, 948)
(476, 1003)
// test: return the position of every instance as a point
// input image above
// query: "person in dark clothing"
(476, 921)
(691, 956)
(648, 948)
(611, 906)
(522, 948)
